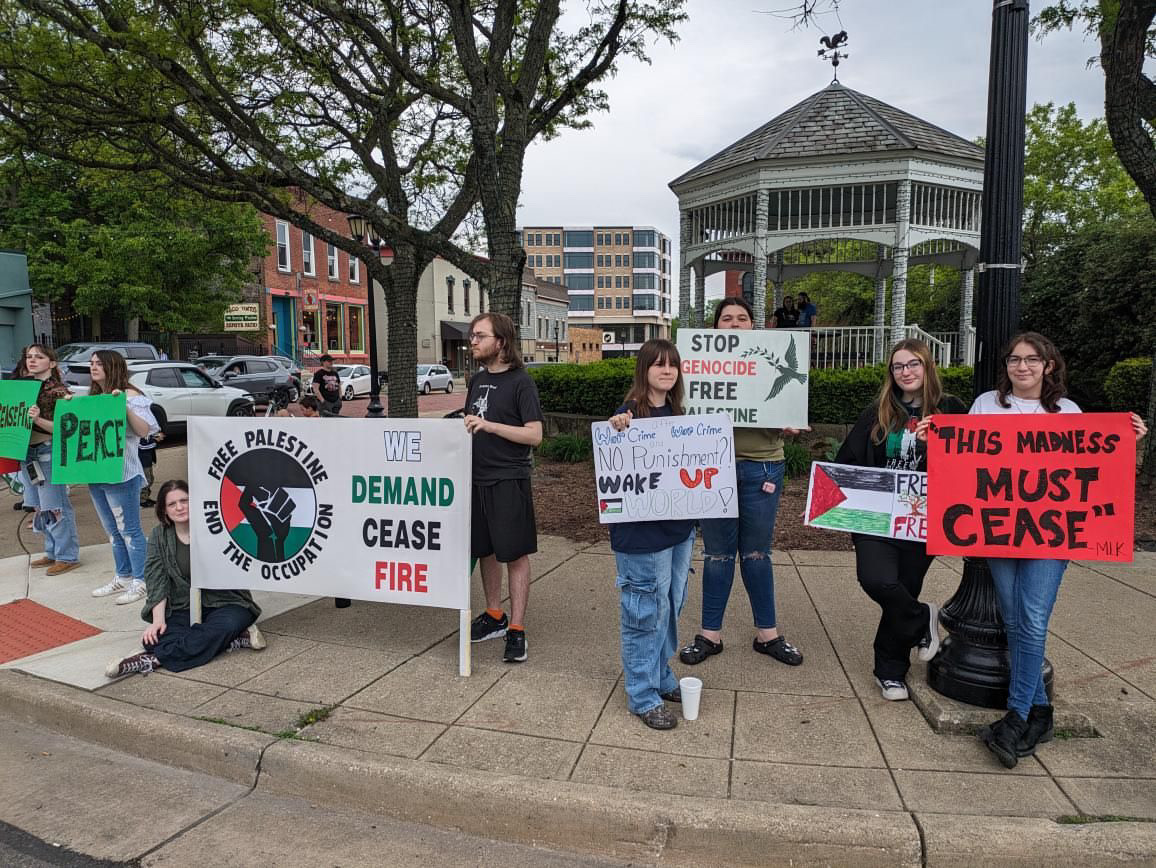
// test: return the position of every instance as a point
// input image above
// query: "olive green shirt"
(167, 573)
(759, 444)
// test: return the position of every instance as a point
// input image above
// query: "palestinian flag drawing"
(610, 506)
(855, 499)
(268, 504)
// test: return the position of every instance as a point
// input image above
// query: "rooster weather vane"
(831, 50)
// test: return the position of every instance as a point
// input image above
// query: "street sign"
(242, 318)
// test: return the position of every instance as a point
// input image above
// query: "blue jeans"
(54, 516)
(750, 535)
(1027, 589)
(652, 590)
(118, 507)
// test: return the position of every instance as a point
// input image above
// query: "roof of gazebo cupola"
(832, 166)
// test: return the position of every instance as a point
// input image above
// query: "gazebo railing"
(940, 349)
(847, 347)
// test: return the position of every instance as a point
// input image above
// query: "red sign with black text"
(1048, 485)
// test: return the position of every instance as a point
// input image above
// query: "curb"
(221, 751)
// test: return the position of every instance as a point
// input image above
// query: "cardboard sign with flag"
(868, 500)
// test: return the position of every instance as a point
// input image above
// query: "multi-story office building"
(617, 279)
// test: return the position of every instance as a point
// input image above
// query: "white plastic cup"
(691, 695)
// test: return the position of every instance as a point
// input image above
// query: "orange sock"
(496, 614)
(517, 627)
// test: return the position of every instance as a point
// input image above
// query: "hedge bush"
(1127, 384)
(837, 397)
(568, 448)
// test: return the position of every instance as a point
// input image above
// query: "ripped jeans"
(118, 507)
(750, 535)
(54, 516)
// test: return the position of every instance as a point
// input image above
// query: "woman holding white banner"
(652, 557)
(889, 570)
(760, 468)
(1031, 381)
(171, 641)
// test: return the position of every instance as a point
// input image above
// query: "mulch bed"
(565, 505)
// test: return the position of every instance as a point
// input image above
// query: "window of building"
(578, 260)
(626, 281)
(618, 281)
(309, 325)
(580, 281)
(450, 292)
(618, 302)
(626, 302)
(617, 238)
(466, 296)
(354, 270)
(538, 260)
(579, 238)
(645, 301)
(307, 253)
(626, 239)
(539, 328)
(581, 302)
(332, 327)
(481, 299)
(331, 257)
(356, 328)
(645, 260)
(538, 240)
(644, 281)
(644, 238)
(283, 258)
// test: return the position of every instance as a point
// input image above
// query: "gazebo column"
(966, 299)
(683, 268)
(880, 321)
(759, 304)
(699, 269)
(899, 262)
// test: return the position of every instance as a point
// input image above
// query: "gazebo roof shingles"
(833, 122)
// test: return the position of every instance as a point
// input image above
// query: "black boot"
(1041, 730)
(1003, 737)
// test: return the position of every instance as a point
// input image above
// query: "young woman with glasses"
(1032, 381)
(891, 571)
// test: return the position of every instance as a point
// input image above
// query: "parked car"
(430, 377)
(355, 380)
(294, 370)
(179, 390)
(74, 359)
(258, 375)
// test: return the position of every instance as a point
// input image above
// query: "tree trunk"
(1127, 92)
(1148, 444)
(399, 294)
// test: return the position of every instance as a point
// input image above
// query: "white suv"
(181, 389)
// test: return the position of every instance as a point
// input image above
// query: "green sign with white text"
(88, 438)
(16, 398)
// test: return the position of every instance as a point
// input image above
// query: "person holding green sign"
(54, 516)
(118, 503)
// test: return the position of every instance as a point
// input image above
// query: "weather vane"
(831, 51)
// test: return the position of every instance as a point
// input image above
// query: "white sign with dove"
(759, 376)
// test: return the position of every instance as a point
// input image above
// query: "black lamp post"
(972, 665)
(358, 226)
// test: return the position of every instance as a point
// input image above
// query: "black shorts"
(503, 522)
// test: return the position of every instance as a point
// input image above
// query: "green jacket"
(164, 580)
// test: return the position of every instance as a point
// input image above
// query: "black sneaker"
(485, 626)
(1003, 737)
(515, 645)
(1041, 729)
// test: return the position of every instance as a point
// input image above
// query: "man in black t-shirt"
(503, 414)
(326, 387)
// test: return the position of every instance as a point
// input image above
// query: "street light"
(358, 226)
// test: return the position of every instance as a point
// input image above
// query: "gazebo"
(838, 182)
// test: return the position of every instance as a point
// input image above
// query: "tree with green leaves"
(136, 245)
(413, 113)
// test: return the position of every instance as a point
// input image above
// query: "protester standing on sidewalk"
(171, 642)
(54, 516)
(503, 414)
(1031, 381)
(760, 470)
(652, 557)
(891, 571)
(326, 387)
(118, 503)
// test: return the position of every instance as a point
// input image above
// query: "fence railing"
(849, 347)
(940, 350)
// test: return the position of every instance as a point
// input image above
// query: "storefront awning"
(455, 331)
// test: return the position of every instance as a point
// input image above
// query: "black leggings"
(891, 572)
(184, 646)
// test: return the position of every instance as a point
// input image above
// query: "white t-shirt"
(988, 402)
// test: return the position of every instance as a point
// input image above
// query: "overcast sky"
(735, 68)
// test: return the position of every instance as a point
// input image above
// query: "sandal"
(698, 650)
(780, 649)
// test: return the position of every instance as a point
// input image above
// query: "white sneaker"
(117, 586)
(929, 644)
(135, 591)
(256, 638)
(894, 691)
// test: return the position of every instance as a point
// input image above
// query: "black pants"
(891, 572)
(185, 646)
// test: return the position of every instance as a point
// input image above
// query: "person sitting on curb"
(310, 408)
(171, 642)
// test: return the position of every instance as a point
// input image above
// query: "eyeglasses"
(1030, 361)
(900, 367)
(474, 337)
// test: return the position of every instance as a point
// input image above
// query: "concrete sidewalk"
(363, 708)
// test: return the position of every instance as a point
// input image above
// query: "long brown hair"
(163, 495)
(890, 414)
(651, 353)
(506, 332)
(115, 373)
(1054, 383)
